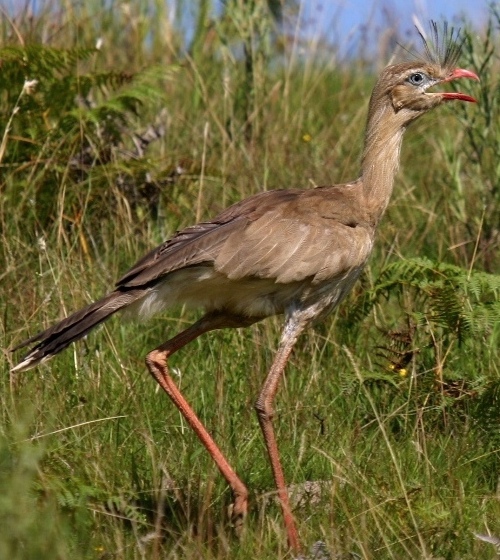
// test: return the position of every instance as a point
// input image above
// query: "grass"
(388, 406)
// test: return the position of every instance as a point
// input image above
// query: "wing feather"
(286, 235)
(292, 250)
(201, 243)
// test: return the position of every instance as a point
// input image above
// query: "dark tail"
(61, 335)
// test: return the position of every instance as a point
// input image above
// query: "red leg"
(156, 362)
(265, 412)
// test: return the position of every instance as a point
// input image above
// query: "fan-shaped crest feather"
(442, 45)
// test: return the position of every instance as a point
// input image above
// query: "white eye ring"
(416, 79)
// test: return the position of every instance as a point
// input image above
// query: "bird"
(290, 252)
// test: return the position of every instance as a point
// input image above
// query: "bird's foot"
(318, 552)
(237, 513)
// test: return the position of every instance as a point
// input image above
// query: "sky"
(357, 12)
(341, 22)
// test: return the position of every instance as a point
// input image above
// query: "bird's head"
(407, 87)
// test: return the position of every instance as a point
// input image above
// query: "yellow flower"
(307, 137)
(403, 372)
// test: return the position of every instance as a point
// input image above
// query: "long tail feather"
(56, 338)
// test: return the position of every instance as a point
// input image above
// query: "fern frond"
(454, 298)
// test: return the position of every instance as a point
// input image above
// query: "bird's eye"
(416, 79)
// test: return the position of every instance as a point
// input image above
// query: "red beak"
(455, 75)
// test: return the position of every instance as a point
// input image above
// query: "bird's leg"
(265, 413)
(156, 362)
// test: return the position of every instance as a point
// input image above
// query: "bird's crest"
(442, 44)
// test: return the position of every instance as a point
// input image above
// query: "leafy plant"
(475, 171)
(62, 120)
(462, 303)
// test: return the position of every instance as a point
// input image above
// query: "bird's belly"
(203, 287)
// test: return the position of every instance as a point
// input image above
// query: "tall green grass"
(389, 409)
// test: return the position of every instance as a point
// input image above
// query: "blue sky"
(355, 12)
(341, 22)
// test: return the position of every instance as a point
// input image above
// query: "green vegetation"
(391, 406)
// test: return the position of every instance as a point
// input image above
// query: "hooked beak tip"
(461, 73)
(456, 74)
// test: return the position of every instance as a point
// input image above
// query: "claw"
(318, 551)
(237, 513)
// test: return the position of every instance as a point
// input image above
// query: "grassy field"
(390, 408)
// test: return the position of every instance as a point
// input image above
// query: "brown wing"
(201, 243)
(286, 235)
(287, 251)
(317, 234)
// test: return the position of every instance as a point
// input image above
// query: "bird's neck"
(383, 137)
